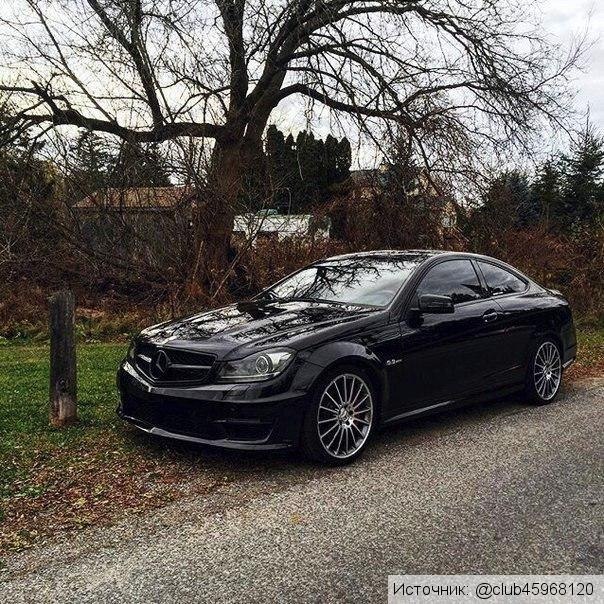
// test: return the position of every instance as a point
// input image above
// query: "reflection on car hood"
(255, 324)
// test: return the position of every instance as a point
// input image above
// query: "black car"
(325, 356)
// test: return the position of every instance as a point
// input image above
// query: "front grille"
(193, 418)
(173, 415)
(171, 365)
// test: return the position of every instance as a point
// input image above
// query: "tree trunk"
(63, 386)
(215, 213)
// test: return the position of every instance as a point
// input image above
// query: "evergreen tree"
(546, 190)
(309, 162)
(292, 169)
(282, 168)
(139, 166)
(91, 159)
(581, 200)
(526, 204)
(256, 190)
(343, 160)
(330, 161)
(97, 163)
(507, 201)
(303, 169)
(318, 146)
(403, 171)
(276, 151)
(275, 154)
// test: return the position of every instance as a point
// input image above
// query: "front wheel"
(544, 373)
(341, 417)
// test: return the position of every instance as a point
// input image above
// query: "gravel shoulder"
(494, 488)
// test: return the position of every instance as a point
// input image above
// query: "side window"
(455, 278)
(501, 281)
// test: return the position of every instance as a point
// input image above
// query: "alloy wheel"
(547, 370)
(345, 415)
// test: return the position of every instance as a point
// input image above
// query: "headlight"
(256, 367)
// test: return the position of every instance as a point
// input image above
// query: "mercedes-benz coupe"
(327, 355)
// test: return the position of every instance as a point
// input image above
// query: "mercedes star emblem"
(160, 364)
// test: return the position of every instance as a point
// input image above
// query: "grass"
(24, 401)
(590, 355)
(24, 372)
(55, 480)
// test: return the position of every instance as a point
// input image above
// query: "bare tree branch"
(459, 79)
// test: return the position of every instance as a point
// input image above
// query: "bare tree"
(448, 72)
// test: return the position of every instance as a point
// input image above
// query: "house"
(416, 183)
(137, 222)
(142, 225)
(135, 200)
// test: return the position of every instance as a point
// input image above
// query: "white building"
(270, 224)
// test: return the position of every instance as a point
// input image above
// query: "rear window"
(501, 281)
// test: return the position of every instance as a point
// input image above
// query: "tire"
(544, 372)
(341, 417)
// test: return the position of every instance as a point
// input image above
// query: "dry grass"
(590, 355)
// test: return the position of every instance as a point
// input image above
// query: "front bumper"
(236, 416)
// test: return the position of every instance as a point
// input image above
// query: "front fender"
(338, 352)
(325, 357)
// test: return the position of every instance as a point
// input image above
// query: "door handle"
(490, 315)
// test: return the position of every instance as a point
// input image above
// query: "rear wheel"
(544, 373)
(340, 420)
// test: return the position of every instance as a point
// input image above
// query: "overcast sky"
(565, 21)
(568, 18)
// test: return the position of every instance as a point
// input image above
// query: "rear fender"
(560, 326)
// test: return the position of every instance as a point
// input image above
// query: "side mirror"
(434, 304)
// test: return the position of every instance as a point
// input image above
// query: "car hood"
(256, 325)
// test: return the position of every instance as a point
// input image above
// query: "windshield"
(372, 281)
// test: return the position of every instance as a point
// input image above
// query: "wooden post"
(63, 385)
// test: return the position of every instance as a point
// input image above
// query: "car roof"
(384, 254)
(419, 254)
(423, 256)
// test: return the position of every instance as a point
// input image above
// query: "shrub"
(573, 265)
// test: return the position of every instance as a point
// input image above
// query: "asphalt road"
(498, 488)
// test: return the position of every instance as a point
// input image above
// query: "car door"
(447, 356)
(517, 321)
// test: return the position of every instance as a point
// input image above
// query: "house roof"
(368, 177)
(136, 198)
